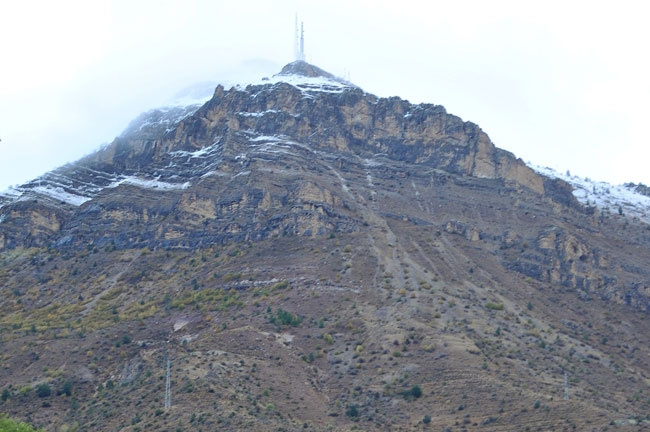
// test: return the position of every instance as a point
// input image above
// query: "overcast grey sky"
(559, 83)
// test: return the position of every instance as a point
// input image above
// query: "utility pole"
(566, 386)
(168, 385)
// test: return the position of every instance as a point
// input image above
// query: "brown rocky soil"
(337, 262)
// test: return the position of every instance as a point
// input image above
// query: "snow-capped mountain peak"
(308, 78)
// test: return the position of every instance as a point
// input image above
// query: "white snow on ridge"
(53, 192)
(149, 184)
(190, 101)
(612, 199)
(269, 138)
(273, 144)
(11, 193)
(307, 84)
(188, 110)
(371, 163)
(198, 153)
(258, 114)
(60, 194)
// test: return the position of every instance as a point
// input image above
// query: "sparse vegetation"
(288, 301)
(43, 390)
(414, 392)
(11, 425)
(352, 411)
(66, 389)
(285, 318)
(280, 285)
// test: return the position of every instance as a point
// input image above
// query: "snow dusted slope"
(308, 79)
(609, 199)
(78, 183)
(308, 84)
(75, 184)
(160, 120)
(59, 188)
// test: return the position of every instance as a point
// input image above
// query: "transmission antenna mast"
(296, 48)
(299, 41)
(302, 42)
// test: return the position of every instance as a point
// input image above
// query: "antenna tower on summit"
(302, 41)
(299, 41)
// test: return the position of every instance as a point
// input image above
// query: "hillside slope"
(311, 257)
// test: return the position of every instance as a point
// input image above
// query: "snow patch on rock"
(608, 198)
(149, 183)
(60, 194)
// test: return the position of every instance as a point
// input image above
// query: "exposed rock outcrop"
(174, 170)
(335, 260)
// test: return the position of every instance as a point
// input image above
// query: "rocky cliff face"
(298, 154)
(314, 257)
(171, 158)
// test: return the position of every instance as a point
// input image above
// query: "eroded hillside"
(312, 257)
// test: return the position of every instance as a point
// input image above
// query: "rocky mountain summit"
(301, 114)
(312, 257)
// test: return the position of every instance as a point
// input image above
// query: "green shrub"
(413, 393)
(280, 285)
(5, 395)
(352, 411)
(9, 425)
(43, 390)
(66, 389)
(285, 318)
(494, 306)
